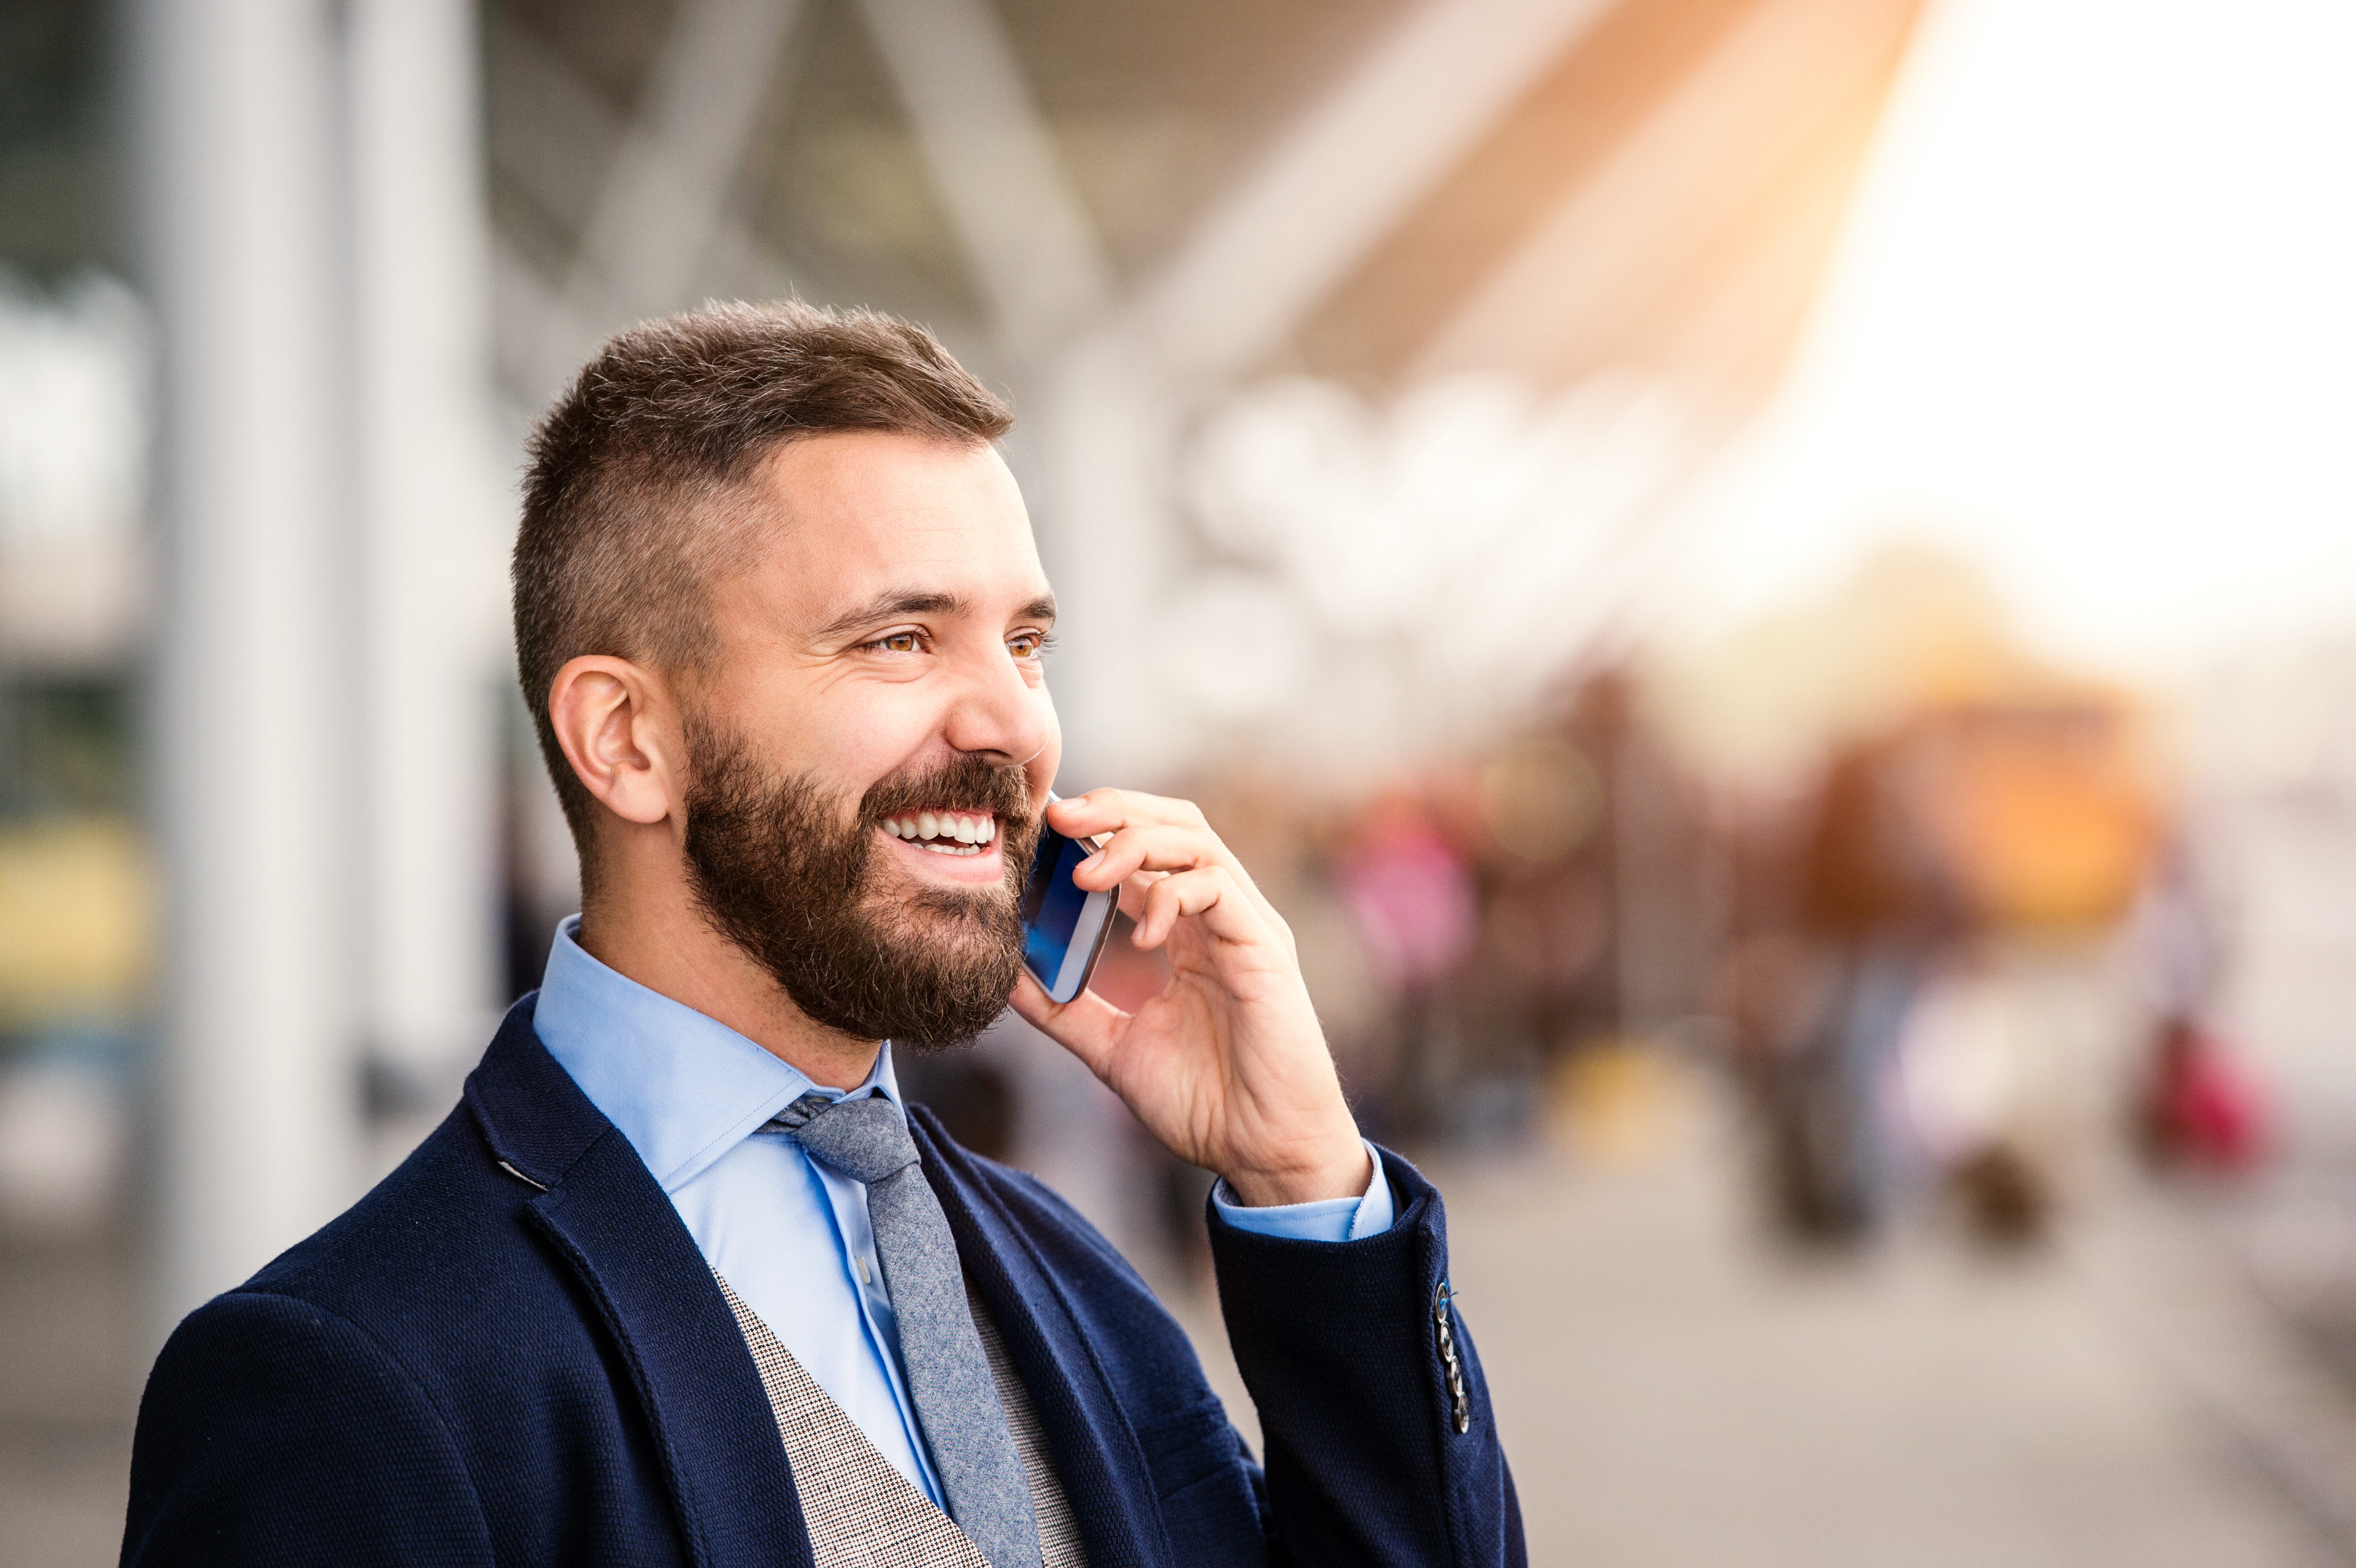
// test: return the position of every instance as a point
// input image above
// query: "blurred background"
(1769, 585)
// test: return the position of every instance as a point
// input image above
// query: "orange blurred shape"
(2045, 816)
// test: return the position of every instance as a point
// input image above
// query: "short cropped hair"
(635, 493)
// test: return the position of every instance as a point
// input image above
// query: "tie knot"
(866, 1139)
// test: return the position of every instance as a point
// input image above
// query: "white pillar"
(253, 699)
(432, 529)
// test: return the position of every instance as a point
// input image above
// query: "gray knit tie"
(948, 1376)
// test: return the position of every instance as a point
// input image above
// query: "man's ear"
(619, 730)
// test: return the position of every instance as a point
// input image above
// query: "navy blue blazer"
(511, 1352)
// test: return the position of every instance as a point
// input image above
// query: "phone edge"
(1109, 901)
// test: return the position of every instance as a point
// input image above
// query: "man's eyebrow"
(891, 605)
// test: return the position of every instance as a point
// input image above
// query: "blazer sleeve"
(274, 1432)
(1341, 1344)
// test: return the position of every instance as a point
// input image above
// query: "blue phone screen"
(1052, 905)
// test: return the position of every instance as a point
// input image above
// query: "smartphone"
(1064, 928)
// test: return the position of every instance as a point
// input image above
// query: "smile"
(944, 832)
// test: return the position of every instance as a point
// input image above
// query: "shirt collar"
(683, 1087)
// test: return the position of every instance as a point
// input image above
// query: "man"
(682, 1280)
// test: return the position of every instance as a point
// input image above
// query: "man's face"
(873, 741)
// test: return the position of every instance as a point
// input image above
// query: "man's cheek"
(1041, 768)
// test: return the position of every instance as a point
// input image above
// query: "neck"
(656, 936)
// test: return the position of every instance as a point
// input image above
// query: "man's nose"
(997, 713)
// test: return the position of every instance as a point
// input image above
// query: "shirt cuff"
(1327, 1220)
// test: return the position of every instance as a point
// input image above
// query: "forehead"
(857, 513)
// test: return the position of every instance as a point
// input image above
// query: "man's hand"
(1227, 1066)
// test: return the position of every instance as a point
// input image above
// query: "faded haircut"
(635, 496)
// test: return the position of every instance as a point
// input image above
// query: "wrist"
(1339, 1171)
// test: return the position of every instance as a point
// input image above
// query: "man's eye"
(1028, 644)
(899, 643)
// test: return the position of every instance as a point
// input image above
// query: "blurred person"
(1410, 892)
(1335, 962)
(1771, 988)
(1412, 902)
(1840, 913)
(1521, 821)
(1548, 922)
(683, 1277)
(2195, 1107)
(1879, 900)
(2198, 1108)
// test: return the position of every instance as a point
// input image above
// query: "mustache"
(963, 783)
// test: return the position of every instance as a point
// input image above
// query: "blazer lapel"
(1096, 1453)
(611, 1222)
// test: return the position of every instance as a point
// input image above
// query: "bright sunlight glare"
(2093, 323)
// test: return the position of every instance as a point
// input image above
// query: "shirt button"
(861, 1264)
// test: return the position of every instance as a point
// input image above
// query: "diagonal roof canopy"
(1644, 183)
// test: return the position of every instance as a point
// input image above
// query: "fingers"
(1149, 848)
(1146, 857)
(1110, 810)
(1132, 895)
(1152, 836)
(1160, 836)
(1208, 892)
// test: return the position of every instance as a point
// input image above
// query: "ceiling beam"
(1345, 174)
(994, 162)
(1561, 306)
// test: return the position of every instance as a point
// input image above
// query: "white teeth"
(946, 832)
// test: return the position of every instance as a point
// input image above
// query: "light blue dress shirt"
(789, 1234)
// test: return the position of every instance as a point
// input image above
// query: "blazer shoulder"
(449, 1198)
(457, 1205)
(440, 1262)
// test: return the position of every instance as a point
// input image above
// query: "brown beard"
(857, 947)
